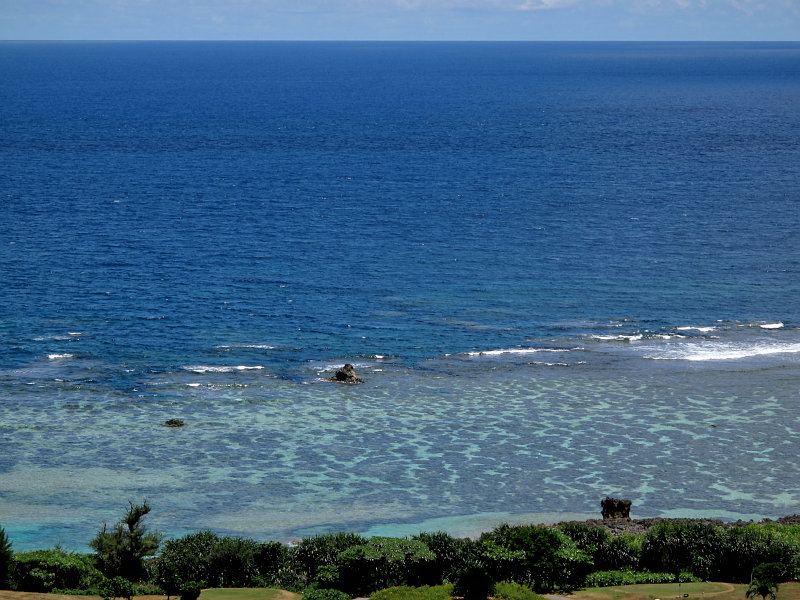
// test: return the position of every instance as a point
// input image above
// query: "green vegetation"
(121, 551)
(506, 590)
(765, 581)
(511, 562)
(326, 594)
(615, 578)
(218, 561)
(543, 558)
(53, 571)
(117, 587)
(6, 556)
(405, 592)
(249, 594)
(696, 591)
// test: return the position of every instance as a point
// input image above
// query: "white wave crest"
(777, 325)
(254, 346)
(512, 351)
(221, 369)
(693, 328)
(333, 367)
(635, 337)
(703, 351)
(60, 356)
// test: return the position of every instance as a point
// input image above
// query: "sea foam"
(706, 351)
(221, 369)
(512, 351)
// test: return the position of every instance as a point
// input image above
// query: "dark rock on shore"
(347, 374)
(174, 423)
(614, 508)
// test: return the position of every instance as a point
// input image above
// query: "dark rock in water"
(614, 508)
(174, 423)
(347, 374)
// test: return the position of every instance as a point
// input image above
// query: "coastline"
(472, 526)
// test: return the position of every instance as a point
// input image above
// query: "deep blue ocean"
(564, 270)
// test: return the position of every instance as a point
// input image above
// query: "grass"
(248, 594)
(671, 591)
(217, 594)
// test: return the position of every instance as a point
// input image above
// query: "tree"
(765, 581)
(543, 558)
(380, 563)
(6, 556)
(121, 551)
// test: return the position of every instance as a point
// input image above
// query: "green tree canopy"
(121, 550)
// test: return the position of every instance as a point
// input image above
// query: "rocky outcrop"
(347, 374)
(174, 423)
(614, 508)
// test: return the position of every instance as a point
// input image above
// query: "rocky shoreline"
(639, 526)
(616, 519)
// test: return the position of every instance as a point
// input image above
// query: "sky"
(472, 20)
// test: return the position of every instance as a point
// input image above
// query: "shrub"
(586, 537)
(314, 552)
(117, 587)
(326, 594)
(745, 547)
(613, 578)
(474, 583)
(383, 562)
(426, 592)
(190, 590)
(682, 546)
(543, 558)
(507, 590)
(270, 562)
(6, 557)
(46, 570)
(219, 561)
(453, 555)
(619, 553)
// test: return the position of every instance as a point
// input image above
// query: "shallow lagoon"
(461, 442)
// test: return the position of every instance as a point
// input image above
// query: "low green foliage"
(529, 558)
(219, 561)
(474, 583)
(405, 592)
(117, 587)
(614, 578)
(47, 570)
(6, 558)
(383, 562)
(452, 555)
(507, 590)
(314, 552)
(326, 594)
(544, 558)
(190, 590)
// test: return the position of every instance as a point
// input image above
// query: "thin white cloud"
(546, 4)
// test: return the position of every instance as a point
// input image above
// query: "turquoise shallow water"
(564, 271)
(467, 440)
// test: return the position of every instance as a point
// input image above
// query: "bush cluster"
(513, 562)
(614, 578)
(53, 571)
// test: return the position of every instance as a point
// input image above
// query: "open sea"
(564, 270)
